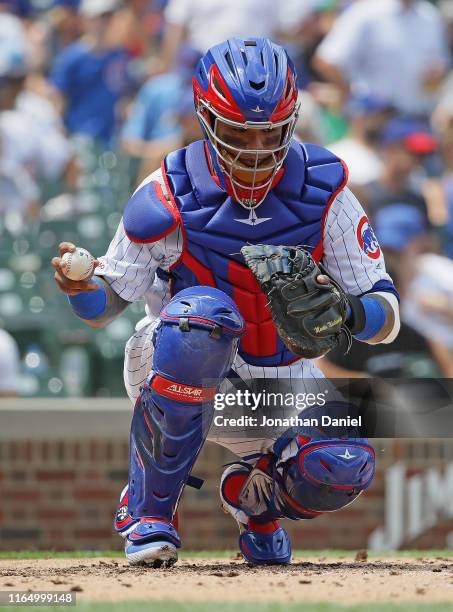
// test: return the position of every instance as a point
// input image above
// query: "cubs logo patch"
(367, 239)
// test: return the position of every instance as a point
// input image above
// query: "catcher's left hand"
(308, 307)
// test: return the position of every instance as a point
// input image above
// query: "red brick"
(18, 475)
(93, 534)
(32, 495)
(19, 514)
(47, 475)
(92, 494)
(109, 451)
(91, 475)
(196, 515)
(45, 450)
(93, 450)
(55, 515)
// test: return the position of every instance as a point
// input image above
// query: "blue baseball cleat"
(152, 542)
(148, 541)
(260, 542)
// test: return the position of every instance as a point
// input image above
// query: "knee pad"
(328, 474)
(196, 341)
(323, 476)
(198, 336)
(308, 472)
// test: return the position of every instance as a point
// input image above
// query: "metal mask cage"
(231, 164)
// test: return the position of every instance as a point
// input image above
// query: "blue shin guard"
(196, 341)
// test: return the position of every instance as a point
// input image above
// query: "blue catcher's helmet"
(246, 100)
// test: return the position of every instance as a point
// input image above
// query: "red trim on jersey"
(172, 209)
(318, 252)
(181, 392)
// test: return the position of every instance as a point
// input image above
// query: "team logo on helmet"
(367, 239)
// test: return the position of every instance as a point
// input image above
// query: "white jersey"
(351, 255)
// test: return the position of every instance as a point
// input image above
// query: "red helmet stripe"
(219, 96)
(288, 100)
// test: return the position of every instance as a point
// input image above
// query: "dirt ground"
(344, 580)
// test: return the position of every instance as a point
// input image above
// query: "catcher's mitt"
(309, 317)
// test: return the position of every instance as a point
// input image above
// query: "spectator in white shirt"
(204, 23)
(394, 49)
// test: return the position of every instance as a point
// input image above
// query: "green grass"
(219, 554)
(163, 606)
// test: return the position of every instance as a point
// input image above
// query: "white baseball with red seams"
(78, 265)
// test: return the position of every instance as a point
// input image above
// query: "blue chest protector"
(215, 228)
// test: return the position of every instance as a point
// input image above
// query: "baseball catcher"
(253, 256)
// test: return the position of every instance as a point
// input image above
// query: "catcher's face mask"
(250, 154)
(247, 86)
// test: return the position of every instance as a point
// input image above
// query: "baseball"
(78, 265)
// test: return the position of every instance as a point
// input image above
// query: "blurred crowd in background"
(94, 93)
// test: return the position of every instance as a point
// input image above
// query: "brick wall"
(61, 494)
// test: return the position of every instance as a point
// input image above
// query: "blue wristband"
(375, 318)
(90, 304)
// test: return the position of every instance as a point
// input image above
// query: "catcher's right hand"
(66, 285)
